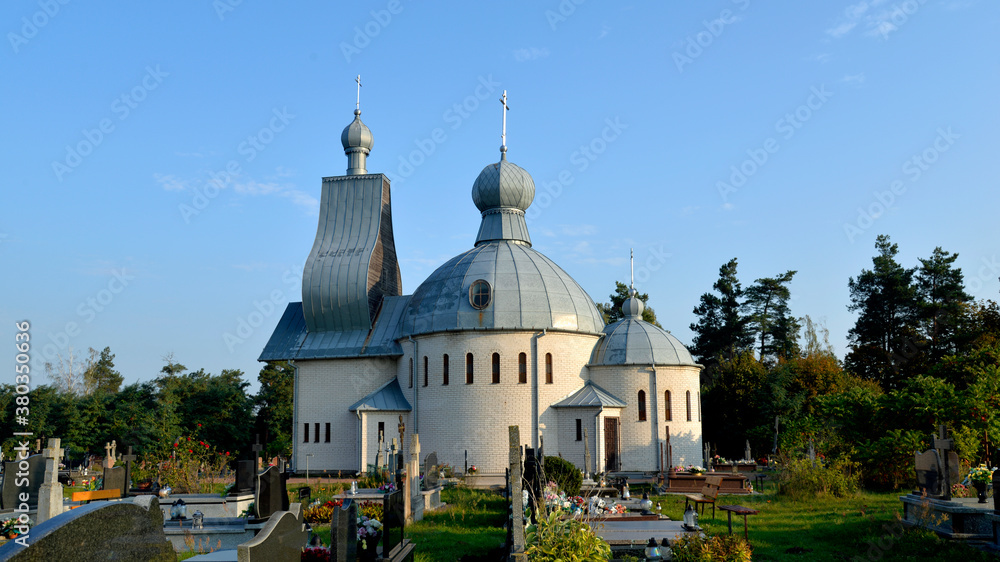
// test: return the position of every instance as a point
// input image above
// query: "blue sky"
(786, 135)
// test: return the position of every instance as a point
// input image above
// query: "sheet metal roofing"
(388, 398)
(528, 292)
(590, 396)
(632, 341)
(290, 340)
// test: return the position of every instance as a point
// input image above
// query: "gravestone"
(114, 479)
(50, 495)
(282, 538)
(413, 503)
(257, 448)
(706, 457)
(130, 530)
(271, 495)
(394, 512)
(32, 482)
(245, 471)
(431, 471)
(128, 459)
(517, 540)
(931, 472)
(747, 455)
(586, 455)
(532, 481)
(344, 533)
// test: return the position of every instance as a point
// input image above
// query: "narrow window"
(381, 432)
(468, 368)
(666, 401)
(496, 368)
(579, 429)
(689, 405)
(444, 370)
(411, 372)
(522, 368)
(548, 368)
(699, 405)
(425, 370)
(642, 405)
(327, 433)
(305, 433)
(316, 433)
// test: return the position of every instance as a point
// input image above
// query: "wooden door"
(611, 460)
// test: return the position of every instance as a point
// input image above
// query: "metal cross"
(503, 132)
(128, 459)
(631, 269)
(358, 80)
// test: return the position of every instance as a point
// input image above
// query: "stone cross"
(378, 451)
(707, 456)
(128, 459)
(50, 495)
(517, 546)
(257, 448)
(586, 454)
(943, 445)
(413, 504)
(747, 454)
(109, 460)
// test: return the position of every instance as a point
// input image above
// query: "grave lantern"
(665, 551)
(199, 520)
(645, 504)
(178, 510)
(652, 551)
(690, 519)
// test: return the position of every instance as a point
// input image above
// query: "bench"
(96, 495)
(739, 510)
(707, 495)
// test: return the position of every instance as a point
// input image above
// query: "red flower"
(227, 453)
(190, 451)
(175, 444)
(201, 442)
(199, 425)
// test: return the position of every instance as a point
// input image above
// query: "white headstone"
(50, 495)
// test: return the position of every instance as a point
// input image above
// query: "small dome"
(503, 184)
(357, 134)
(632, 307)
(634, 342)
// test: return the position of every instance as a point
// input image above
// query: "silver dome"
(356, 134)
(503, 184)
(635, 342)
(528, 292)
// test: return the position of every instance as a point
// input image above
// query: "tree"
(721, 329)
(941, 289)
(274, 407)
(769, 317)
(732, 399)
(100, 375)
(172, 368)
(612, 311)
(213, 407)
(885, 342)
(67, 373)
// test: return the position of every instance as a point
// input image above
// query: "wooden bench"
(707, 495)
(739, 510)
(86, 497)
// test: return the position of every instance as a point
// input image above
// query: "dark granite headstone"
(98, 531)
(394, 513)
(431, 471)
(245, 471)
(31, 482)
(114, 479)
(305, 493)
(271, 494)
(344, 533)
(928, 472)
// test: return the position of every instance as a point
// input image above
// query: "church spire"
(357, 140)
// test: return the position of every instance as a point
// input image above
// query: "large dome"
(632, 341)
(523, 290)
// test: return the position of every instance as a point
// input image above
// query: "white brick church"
(497, 336)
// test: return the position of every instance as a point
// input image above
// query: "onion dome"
(502, 193)
(358, 142)
(633, 341)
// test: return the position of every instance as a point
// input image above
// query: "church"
(497, 336)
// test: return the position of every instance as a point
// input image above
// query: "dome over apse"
(633, 341)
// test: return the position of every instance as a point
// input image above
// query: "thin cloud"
(530, 53)
(854, 79)
(171, 182)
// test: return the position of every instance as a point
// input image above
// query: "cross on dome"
(503, 131)
(358, 104)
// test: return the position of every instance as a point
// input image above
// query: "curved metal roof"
(529, 292)
(632, 341)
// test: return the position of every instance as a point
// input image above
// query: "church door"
(611, 460)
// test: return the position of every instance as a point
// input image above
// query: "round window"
(480, 294)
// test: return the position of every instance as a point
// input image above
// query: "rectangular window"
(642, 405)
(411, 372)
(666, 400)
(699, 406)
(444, 370)
(316, 433)
(548, 368)
(468, 368)
(381, 431)
(688, 398)
(522, 368)
(425, 370)
(327, 433)
(579, 429)
(496, 368)
(305, 433)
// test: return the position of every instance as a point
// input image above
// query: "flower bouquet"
(981, 474)
(369, 533)
(473, 469)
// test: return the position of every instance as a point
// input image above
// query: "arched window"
(666, 402)
(468, 368)
(411, 372)
(444, 370)
(496, 368)
(548, 368)
(642, 405)
(689, 405)
(522, 368)
(425, 370)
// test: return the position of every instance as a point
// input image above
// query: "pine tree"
(941, 289)
(101, 375)
(770, 319)
(885, 342)
(721, 329)
(612, 311)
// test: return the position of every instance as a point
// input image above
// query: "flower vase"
(980, 491)
(368, 548)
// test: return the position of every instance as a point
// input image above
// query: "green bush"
(564, 540)
(566, 476)
(799, 479)
(720, 548)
